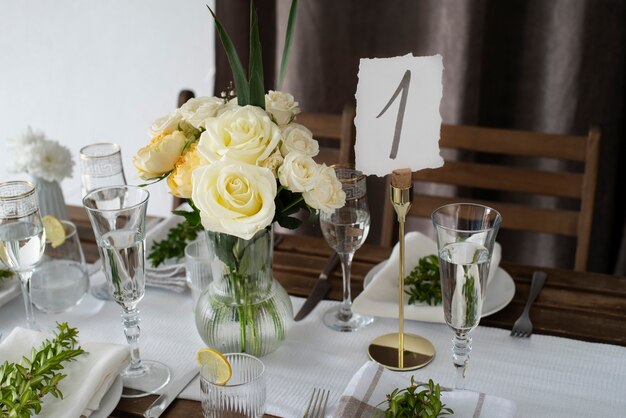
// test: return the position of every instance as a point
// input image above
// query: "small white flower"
(281, 106)
(198, 109)
(298, 138)
(298, 172)
(327, 194)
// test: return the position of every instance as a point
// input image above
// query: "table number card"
(397, 119)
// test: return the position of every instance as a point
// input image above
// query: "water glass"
(198, 268)
(60, 281)
(243, 396)
(466, 235)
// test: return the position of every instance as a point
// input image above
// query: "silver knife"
(171, 392)
(320, 289)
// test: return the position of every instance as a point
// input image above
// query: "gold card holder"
(400, 351)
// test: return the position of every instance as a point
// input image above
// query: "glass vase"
(51, 201)
(244, 309)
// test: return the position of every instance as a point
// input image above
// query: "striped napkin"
(370, 385)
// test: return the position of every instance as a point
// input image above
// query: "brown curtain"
(544, 65)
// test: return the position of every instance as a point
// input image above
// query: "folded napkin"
(370, 385)
(380, 297)
(89, 376)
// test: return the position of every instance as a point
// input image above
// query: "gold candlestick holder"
(400, 351)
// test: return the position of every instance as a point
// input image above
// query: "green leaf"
(291, 23)
(289, 222)
(255, 70)
(239, 75)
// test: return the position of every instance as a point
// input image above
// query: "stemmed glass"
(101, 166)
(22, 237)
(345, 230)
(118, 218)
(466, 234)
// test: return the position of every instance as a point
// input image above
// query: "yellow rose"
(234, 198)
(179, 181)
(160, 155)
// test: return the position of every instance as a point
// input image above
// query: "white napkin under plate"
(370, 385)
(89, 376)
(380, 297)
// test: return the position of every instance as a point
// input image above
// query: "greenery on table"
(173, 245)
(423, 284)
(416, 401)
(23, 385)
(5, 275)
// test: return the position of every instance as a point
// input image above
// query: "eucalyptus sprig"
(23, 385)
(411, 402)
(173, 245)
(423, 284)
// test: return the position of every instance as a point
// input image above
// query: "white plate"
(499, 293)
(110, 399)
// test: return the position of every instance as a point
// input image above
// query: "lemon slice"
(216, 364)
(55, 232)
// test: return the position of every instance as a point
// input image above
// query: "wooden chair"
(515, 181)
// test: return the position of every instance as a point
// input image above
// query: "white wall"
(86, 71)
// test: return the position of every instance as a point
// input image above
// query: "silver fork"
(523, 327)
(317, 404)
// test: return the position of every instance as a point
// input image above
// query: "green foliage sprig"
(411, 402)
(23, 385)
(5, 275)
(173, 245)
(423, 284)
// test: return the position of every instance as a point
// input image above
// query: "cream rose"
(179, 181)
(273, 162)
(166, 124)
(298, 172)
(198, 109)
(160, 155)
(234, 198)
(244, 134)
(298, 138)
(327, 194)
(281, 106)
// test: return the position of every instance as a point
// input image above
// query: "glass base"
(101, 292)
(337, 319)
(145, 381)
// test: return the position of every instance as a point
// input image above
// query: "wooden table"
(582, 306)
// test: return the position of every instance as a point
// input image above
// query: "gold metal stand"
(400, 351)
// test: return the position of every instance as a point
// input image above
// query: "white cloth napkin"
(380, 297)
(88, 379)
(370, 385)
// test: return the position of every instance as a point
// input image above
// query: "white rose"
(298, 172)
(166, 124)
(160, 155)
(230, 105)
(198, 109)
(244, 134)
(298, 138)
(327, 194)
(281, 106)
(234, 198)
(273, 162)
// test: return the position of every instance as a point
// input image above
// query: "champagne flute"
(466, 234)
(345, 230)
(118, 218)
(22, 237)
(101, 166)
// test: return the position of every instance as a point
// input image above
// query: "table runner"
(545, 376)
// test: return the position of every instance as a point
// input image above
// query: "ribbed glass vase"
(244, 309)
(51, 201)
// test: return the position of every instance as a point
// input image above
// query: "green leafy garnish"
(173, 245)
(5, 275)
(411, 402)
(471, 296)
(423, 284)
(23, 385)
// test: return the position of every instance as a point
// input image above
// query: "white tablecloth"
(545, 376)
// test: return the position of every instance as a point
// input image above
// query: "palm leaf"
(239, 74)
(255, 74)
(291, 23)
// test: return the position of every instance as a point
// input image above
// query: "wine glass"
(345, 230)
(118, 218)
(466, 234)
(101, 166)
(22, 237)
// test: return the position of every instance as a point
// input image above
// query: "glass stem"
(28, 304)
(130, 319)
(346, 268)
(461, 348)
